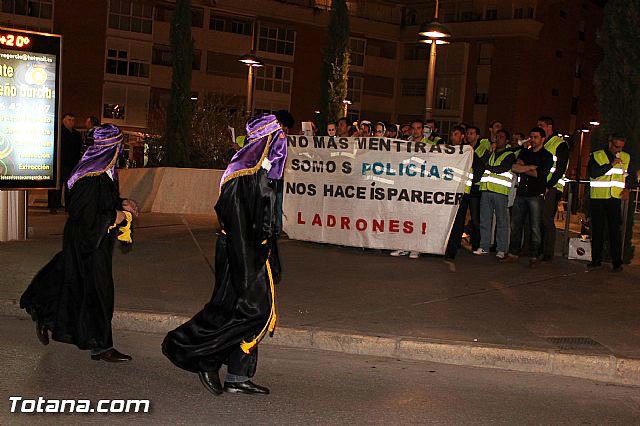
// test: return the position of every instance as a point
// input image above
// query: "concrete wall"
(170, 190)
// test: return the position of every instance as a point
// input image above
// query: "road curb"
(605, 368)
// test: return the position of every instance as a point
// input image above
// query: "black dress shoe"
(211, 381)
(247, 387)
(42, 332)
(617, 268)
(112, 355)
(547, 258)
(594, 265)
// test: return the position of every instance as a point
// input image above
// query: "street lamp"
(431, 32)
(593, 123)
(251, 61)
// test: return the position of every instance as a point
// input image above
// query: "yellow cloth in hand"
(125, 230)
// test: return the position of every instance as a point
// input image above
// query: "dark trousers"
(523, 208)
(279, 189)
(54, 199)
(458, 228)
(474, 207)
(607, 212)
(54, 196)
(551, 200)
(242, 364)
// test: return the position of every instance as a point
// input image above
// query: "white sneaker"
(414, 255)
(500, 255)
(398, 253)
(480, 252)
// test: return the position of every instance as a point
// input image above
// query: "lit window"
(131, 16)
(118, 63)
(162, 56)
(216, 24)
(482, 99)
(240, 27)
(276, 40)
(413, 87)
(354, 89)
(114, 111)
(35, 8)
(274, 78)
(358, 47)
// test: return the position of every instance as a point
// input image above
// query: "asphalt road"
(308, 387)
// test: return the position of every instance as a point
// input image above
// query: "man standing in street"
(456, 139)
(607, 172)
(533, 166)
(70, 152)
(559, 149)
(495, 184)
(481, 152)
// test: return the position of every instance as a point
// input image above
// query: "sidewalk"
(364, 301)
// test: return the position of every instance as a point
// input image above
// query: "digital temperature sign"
(14, 40)
(29, 94)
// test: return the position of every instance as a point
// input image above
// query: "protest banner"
(373, 192)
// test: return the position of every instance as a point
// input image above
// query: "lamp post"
(432, 33)
(251, 61)
(585, 129)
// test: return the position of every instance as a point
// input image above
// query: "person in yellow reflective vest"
(433, 137)
(481, 154)
(533, 166)
(495, 184)
(559, 148)
(608, 171)
(457, 139)
(517, 144)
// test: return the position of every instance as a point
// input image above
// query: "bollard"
(625, 209)
(567, 222)
(13, 215)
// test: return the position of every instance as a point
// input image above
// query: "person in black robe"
(242, 308)
(72, 296)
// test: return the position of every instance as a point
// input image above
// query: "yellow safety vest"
(497, 182)
(611, 184)
(552, 145)
(435, 140)
(480, 150)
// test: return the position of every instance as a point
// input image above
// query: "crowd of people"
(516, 180)
(515, 186)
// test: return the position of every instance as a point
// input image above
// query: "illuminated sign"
(13, 40)
(29, 92)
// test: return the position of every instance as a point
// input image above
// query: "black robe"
(241, 304)
(73, 294)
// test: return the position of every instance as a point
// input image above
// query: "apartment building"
(511, 60)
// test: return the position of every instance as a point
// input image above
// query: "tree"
(335, 65)
(617, 83)
(178, 131)
(211, 144)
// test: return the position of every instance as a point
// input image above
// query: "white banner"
(373, 192)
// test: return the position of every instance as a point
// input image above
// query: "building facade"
(511, 60)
